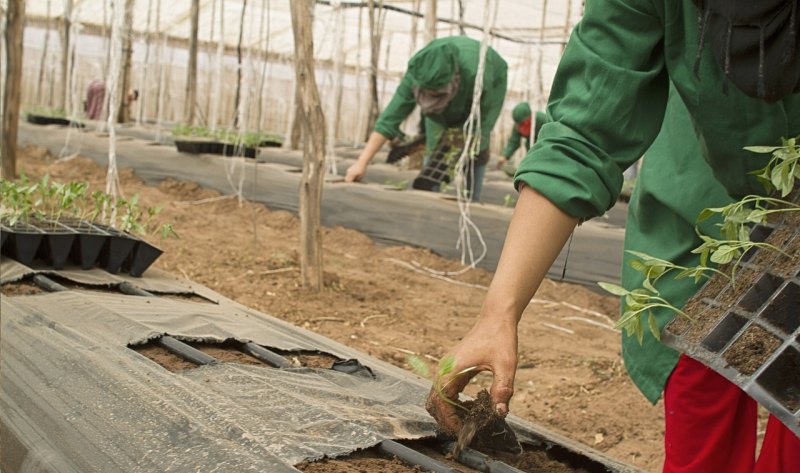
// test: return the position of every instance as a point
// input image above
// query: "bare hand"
(355, 172)
(489, 346)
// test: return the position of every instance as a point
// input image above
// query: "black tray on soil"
(214, 147)
(749, 332)
(47, 120)
(80, 242)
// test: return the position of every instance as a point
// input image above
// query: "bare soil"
(380, 301)
(751, 349)
(20, 288)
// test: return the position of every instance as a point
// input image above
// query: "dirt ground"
(380, 301)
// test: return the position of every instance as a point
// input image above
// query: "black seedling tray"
(214, 147)
(83, 243)
(749, 330)
(47, 120)
(440, 167)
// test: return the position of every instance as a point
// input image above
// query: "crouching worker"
(440, 79)
(520, 135)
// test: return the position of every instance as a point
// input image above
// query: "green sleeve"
(605, 108)
(399, 108)
(492, 97)
(513, 143)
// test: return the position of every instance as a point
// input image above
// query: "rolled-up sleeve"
(399, 108)
(605, 107)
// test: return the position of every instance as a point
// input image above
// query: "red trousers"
(711, 427)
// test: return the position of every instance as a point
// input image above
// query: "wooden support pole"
(15, 16)
(375, 48)
(238, 97)
(127, 52)
(65, 39)
(313, 146)
(191, 71)
(430, 21)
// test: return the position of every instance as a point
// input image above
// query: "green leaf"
(446, 365)
(762, 149)
(419, 366)
(651, 321)
(637, 265)
(613, 288)
(705, 214)
(724, 254)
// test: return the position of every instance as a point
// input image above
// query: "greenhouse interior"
(338, 236)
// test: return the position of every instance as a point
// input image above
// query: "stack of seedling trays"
(79, 242)
(748, 330)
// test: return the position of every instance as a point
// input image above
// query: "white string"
(212, 122)
(112, 176)
(74, 98)
(465, 166)
(338, 40)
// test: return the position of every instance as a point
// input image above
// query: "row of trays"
(79, 242)
(206, 146)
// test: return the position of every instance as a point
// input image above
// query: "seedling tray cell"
(23, 243)
(749, 330)
(143, 255)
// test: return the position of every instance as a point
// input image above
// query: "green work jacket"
(457, 111)
(607, 106)
(514, 142)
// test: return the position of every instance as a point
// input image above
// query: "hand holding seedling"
(487, 347)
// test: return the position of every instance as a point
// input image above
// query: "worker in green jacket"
(440, 78)
(521, 134)
(734, 67)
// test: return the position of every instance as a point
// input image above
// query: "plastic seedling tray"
(116, 251)
(23, 242)
(143, 255)
(48, 120)
(749, 330)
(57, 243)
(86, 247)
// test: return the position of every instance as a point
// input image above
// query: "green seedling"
(397, 185)
(509, 200)
(782, 169)
(637, 304)
(446, 367)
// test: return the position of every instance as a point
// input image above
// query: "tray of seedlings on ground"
(51, 116)
(199, 140)
(744, 322)
(60, 224)
(441, 166)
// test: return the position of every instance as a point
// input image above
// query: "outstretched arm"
(537, 232)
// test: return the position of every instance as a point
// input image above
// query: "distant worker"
(520, 135)
(440, 79)
(95, 95)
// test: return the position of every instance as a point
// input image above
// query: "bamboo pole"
(43, 63)
(375, 45)
(430, 21)
(265, 18)
(336, 97)
(191, 71)
(214, 119)
(65, 39)
(209, 51)
(127, 51)
(414, 23)
(237, 97)
(146, 65)
(313, 146)
(15, 15)
(540, 100)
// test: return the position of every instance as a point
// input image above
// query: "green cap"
(433, 66)
(521, 112)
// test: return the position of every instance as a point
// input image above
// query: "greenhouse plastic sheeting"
(156, 280)
(74, 397)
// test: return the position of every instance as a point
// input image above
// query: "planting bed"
(748, 330)
(569, 382)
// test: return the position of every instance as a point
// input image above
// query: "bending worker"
(735, 68)
(521, 134)
(440, 79)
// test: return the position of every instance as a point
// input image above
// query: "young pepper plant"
(446, 366)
